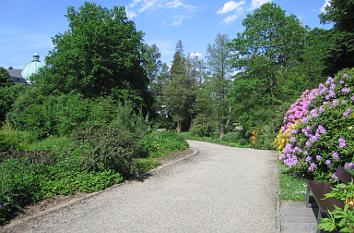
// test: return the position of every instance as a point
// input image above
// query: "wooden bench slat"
(319, 189)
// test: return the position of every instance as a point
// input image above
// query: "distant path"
(221, 189)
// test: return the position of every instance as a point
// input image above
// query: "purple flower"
(319, 157)
(347, 112)
(329, 80)
(341, 142)
(335, 155)
(312, 167)
(330, 95)
(308, 159)
(313, 139)
(345, 90)
(292, 139)
(291, 161)
(321, 110)
(328, 162)
(305, 152)
(341, 81)
(321, 130)
(349, 165)
(353, 98)
(308, 144)
(295, 131)
(335, 177)
(332, 86)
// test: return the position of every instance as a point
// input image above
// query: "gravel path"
(221, 189)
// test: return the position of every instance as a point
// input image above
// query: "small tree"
(178, 92)
(220, 69)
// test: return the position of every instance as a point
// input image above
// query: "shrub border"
(15, 223)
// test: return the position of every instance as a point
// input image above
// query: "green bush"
(144, 165)
(204, 127)
(159, 144)
(14, 139)
(108, 147)
(18, 185)
(265, 137)
(8, 95)
(235, 137)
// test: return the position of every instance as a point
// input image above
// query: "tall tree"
(271, 41)
(341, 13)
(219, 65)
(178, 92)
(100, 54)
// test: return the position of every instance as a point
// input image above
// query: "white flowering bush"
(323, 136)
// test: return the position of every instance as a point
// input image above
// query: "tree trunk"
(178, 128)
(222, 127)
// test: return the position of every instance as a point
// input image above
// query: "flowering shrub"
(318, 129)
(297, 111)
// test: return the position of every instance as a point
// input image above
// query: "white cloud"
(175, 3)
(130, 14)
(195, 54)
(326, 3)
(134, 3)
(231, 6)
(139, 6)
(231, 18)
(257, 3)
(177, 20)
(148, 4)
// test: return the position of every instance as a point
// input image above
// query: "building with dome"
(23, 76)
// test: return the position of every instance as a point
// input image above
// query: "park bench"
(318, 190)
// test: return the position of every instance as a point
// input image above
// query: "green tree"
(5, 79)
(341, 13)
(271, 40)
(220, 69)
(100, 54)
(178, 92)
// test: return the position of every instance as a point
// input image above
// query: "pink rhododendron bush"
(317, 135)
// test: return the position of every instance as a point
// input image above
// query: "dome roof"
(32, 68)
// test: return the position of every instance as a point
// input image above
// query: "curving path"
(221, 189)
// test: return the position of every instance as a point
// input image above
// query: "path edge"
(14, 224)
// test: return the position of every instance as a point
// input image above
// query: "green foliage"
(18, 184)
(335, 115)
(100, 54)
(291, 187)
(8, 95)
(341, 13)
(143, 165)
(5, 79)
(108, 147)
(220, 70)
(235, 137)
(204, 126)
(178, 92)
(342, 53)
(159, 144)
(217, 140)
(341, 220)
(14, 139)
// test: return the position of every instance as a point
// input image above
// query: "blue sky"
(26, 26)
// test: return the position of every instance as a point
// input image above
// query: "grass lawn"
(291, 188)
